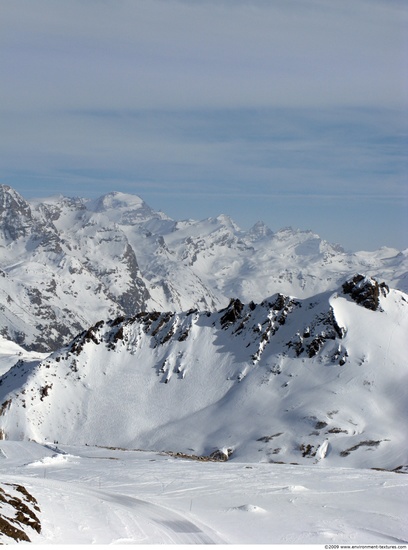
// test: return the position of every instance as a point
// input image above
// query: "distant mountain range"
(66, 263)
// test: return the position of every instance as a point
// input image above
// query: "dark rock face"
(15, 214)
(137, 294)
(322, 329)
(365, 291)
(232, 313)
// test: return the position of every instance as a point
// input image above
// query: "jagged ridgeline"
(317, 380)
(66, 263)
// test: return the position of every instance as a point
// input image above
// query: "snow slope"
(11, 353)
(269, 417)
(89, 495)
(319, 381)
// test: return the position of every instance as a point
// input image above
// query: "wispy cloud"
(308, 150)
(150, 53)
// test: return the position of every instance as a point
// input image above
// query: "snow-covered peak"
(69, 261)
(9, 196)
(115, 200)
(61, 210)
(124, 209)
(227, 221)
(259, 231)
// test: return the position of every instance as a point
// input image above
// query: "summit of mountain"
(124, 208)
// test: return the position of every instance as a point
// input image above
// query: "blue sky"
(291, 112)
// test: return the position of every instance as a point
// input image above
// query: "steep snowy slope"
(10, 353)
(99, 245)
(317, 380)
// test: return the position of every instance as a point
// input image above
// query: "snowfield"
(90, 495)
(10, 353)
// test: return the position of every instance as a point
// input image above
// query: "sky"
(290, 112)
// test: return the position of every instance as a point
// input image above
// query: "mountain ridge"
(317, 381)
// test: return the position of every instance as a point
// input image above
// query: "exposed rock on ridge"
(365, 291)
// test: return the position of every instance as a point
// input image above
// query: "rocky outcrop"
(19, 512)
(16, 218)
(365, 291)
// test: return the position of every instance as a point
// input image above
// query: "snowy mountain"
(318, 380)
(53, 281)
(255, 371)
(66, 263)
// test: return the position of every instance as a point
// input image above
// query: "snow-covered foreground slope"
(65, 263)
(320, 381)
(88, 495)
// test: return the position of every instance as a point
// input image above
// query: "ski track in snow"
(101, 517)
(103, 496)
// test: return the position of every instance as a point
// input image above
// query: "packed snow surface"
(91, 495)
